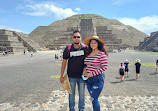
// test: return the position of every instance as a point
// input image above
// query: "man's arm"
(64, 62)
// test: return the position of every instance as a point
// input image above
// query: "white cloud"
(2, 27)
(7, 28)
(146, 24)
(45, 9)
(77, 9)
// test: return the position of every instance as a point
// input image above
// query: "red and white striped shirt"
(96, 64)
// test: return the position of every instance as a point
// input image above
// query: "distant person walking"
(137, 68)
(156, 71)
(6, 53)
(24, 51)
(122, 71)
(3, 53)
(61, 56)
(57, 57)
(126, 67)
(31, 53)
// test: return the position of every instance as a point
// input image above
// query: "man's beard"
(76, 43)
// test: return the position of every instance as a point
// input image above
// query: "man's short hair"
(76, 31)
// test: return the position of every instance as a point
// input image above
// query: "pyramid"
(115, 34)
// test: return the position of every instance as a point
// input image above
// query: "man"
(137, 68)
(156, 66)
(126, 67)
(75, 57)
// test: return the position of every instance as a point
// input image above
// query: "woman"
(122, 72)
(96, 62)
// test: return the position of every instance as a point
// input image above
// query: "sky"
(26, 15)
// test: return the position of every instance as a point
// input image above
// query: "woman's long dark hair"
(101, 47)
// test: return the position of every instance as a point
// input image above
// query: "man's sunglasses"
(76, 37)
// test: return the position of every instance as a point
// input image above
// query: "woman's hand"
(88, 75)
(84, 72)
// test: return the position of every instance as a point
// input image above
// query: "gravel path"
(130, 95)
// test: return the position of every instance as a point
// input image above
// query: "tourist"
(3, 53)
(24, 51)
(96, 62)
(31, 53)
(126, 67)
(137, 68)
(75, 53)
(61, 56)
(121, 71)
(6, 53)
(156, 71)
(57, 57)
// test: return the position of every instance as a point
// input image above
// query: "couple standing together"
(90, 62)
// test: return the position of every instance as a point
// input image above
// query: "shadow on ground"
(131, 80)
(153, 74)
(116, 82)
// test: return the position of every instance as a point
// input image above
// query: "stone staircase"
(27, 42)
(14, 42)
(86, 29)
(62, 41)
(149, 42)
(10, 43)
(110, 39)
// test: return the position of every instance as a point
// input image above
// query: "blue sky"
(26, 15)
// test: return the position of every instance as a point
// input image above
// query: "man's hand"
(64, 62)
(61, 79)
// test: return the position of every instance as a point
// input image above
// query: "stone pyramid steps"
(10, 42)
(148, 41)
(27, 41)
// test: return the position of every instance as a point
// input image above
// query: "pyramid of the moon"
(114, 33)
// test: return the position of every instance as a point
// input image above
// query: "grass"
(55, 76)
(146, 64)
(149, 52)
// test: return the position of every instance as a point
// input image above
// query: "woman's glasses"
(77, 37)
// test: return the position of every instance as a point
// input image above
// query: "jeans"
(95, 85)
(81, 91)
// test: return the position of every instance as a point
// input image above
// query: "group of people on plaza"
(86, 65)
(56, 56)
(124, 69)
(5, 53)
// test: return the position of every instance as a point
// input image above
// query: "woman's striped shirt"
(96, 64)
